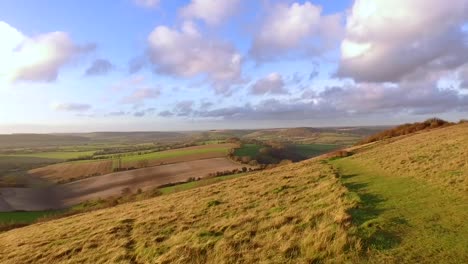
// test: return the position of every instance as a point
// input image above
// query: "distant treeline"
(407, 129)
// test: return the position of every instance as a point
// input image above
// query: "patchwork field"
(70, 171)
(64, 195)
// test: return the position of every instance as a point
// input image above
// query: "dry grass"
(438, 157)
(291, 214)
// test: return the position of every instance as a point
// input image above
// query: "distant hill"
(36, 140)
(299, 132)
(133, 136)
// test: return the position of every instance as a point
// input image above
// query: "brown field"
(54, 197)
(64, 172)
(145, 178)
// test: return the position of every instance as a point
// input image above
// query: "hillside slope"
(439, 156)
(293, 214)
(413, 193)
(402, 201)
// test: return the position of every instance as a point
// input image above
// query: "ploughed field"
(63, 195)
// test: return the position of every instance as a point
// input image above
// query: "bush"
(406, 129)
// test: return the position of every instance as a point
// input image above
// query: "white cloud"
(37, 58)
(271, 84)
(213, 12)
(71, 107)
(297, 28)
(187, 53)
(147, 3)
(390, 40)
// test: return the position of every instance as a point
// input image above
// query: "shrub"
(406, 129)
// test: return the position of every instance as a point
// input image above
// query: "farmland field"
(63, 195)
(69, 171)
(220, 149)
(112, 184)
(250, 150)
(311, 150)
(63, 172)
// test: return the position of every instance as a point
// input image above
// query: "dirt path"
(59, 196)
(405, 220)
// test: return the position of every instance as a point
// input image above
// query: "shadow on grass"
(371, 228)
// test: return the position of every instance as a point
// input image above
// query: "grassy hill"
(397, 201)
(285, 215)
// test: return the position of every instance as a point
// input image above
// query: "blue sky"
(127, 65)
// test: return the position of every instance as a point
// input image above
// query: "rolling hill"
(397, 201)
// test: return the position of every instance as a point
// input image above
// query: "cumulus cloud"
(386, 41)
(350, 100)
(296, 29)
(271, 84)
(71, 107)
(409, 98)
(186, 53)
(99, 67)
(141, 94)
(213, 12)
(37, 58)
(147, 3)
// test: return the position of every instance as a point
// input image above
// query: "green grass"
(403, 219)
(311, 150)
(23, 217)
(62, 155)
(173, 154)
(250, 150)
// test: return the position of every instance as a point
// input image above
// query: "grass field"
(311, 150)
(222, 149)
(23, 217)
(250, 150)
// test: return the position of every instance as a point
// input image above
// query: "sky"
(159, 65)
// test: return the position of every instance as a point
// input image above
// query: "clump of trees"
(406, 129)
(272, 152)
